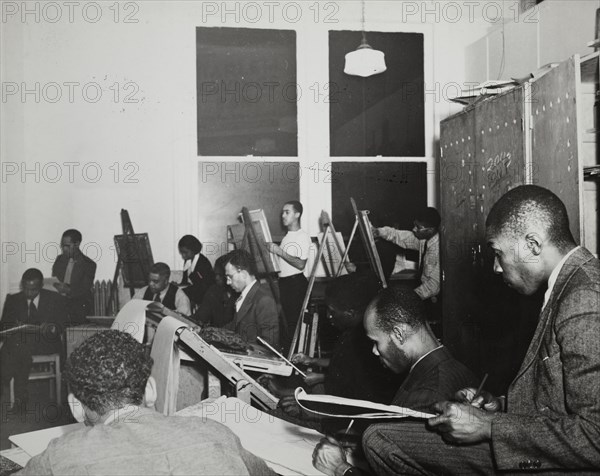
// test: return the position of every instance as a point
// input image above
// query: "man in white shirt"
(292, 254)
(174, 301)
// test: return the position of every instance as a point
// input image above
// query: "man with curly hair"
(112, 392)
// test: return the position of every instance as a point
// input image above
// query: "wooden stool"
(43, 367)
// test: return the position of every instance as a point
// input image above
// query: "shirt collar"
(243, 294)
(425, 355)
(554, 275)
(36, 300)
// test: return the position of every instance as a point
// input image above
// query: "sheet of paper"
(50, 282)
(35, 442)
(286, 447)
(132, 318)
(350, 408)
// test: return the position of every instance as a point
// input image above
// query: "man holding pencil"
(550, 418)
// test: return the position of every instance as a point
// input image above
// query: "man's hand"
(375, 232)
(329, 457)
(302, 359)
(462, 423)
(62, 288)
(485, 399)
(314, 378)
(273, 248)
(290, 406)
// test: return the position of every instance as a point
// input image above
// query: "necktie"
(69, 271)
(32, 311)
(157, 297)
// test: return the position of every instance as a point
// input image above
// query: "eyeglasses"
(229, 277)
(418, 227)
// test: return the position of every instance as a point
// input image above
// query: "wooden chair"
(44, 367)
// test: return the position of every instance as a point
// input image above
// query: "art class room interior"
(326, 228)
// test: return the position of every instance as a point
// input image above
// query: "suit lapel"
(572, 264)
(247, 304)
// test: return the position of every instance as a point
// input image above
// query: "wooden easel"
(364, 225)
(302, 338)
(257, 249)
(130, 259)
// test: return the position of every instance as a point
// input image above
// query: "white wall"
(552, 31)
(154, 137)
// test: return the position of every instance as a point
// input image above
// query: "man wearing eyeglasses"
(425, 238)
(255, 310)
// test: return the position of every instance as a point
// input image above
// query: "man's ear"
(534, 243)
(399, 334)
(150, 393)
(76, 408)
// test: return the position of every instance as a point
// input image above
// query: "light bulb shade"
(365, 62)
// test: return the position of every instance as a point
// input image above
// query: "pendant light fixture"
(364, 61)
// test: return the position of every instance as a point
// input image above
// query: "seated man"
(550, 419)
(174, 301)
(255, 310)
(402, 339)
(36, 306)
(218, 305)
(76, 273)
(353, 371)
(113, 393)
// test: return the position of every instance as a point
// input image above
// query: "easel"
(307, 341)
(364, 225)
(251, 243)
(130, 259)
(245, 387)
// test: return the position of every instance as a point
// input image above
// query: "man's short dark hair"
(530, 205)
(399, 306)
(162, 269)
(351, 293)
(297, 206)
(75, 235)
(429, 217)
(242, 260)
(32, 274)
(109, 370)
(219, 267)
(191, 243)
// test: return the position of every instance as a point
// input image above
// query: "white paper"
(132, 318)
(286, 447)
(35, 442)
(381, 410)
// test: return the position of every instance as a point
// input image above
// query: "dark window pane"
(246, 88)
(393, 192)
(383, 114)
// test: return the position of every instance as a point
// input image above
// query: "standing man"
(38, 307)
(550, 418)
(174, 301)
(425, 238)
(293, 254)
(255, 309)
(76, 273)
(395, 323)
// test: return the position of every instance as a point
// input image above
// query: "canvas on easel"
(366, 233)
(263, 234)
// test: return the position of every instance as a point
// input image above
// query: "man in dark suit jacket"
(396, 323)
(550, 418)
(38, 307)
(76, 273)
(256, 312)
